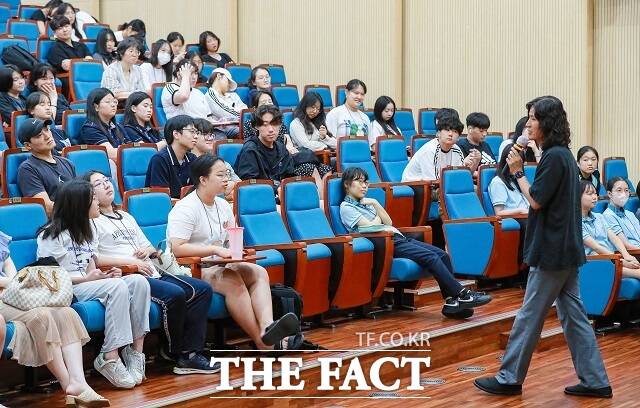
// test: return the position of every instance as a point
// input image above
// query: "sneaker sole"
(588, 394)
(187, 371)
(458, 314)
(495, 392)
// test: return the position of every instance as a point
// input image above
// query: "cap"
(232, 84)
(31, 128)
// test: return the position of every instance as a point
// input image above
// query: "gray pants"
(126, 301)
(543, 287)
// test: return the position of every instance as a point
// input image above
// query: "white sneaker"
(135, 363)
(114, 371)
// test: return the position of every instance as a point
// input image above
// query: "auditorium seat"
(207, 70)
(27, 29)
(427, 121)
(7, 40)
(323, 91)
(243, 94)
(304, 267)
(245, 115)
(90, 44)
(3, 140)
(352, 259)
(617, 166)
(287, 118)
(84, 76)
(89, 157)
(241, 73)
(17, 119)
(72, 121)
(25, 11)
(486, 173)
(5, 15)
(406, 124)
(286, 95)
(228, 149)
(91, 30)
(494, 139)
(341, 94)
(43, 46)
(479, 246)
(133, 161)
(14, 6)
(417, 141)
(530, 171)
(276, 71)
(12, 158)
(158, 116)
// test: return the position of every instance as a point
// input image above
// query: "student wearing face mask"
(622, 222)
(159, 67)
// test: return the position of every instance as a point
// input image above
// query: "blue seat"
(406, 124)
(486, 173)
(26, 12)
(86, 158)
(42, 49)
(13, 40)
(91, 46)
(72, 121)
(472, 238)
(10, 329)
(227, 149)
(133, 161)
(241, 73)
(427, 121)
(80, 105)
(370, 114)
(323, 91)
(14, 6)
(27, 29)
(341, 94)
(617, 167)
(277, 74)
(84, 77)
(18, 119)
(286, 95)
(530, 172)
(601, 205)
(494, 140)
(243, 94)
(12, 158)
(5, 15)
(193, 48)
(3, 140)
(159, 117)
(417, 141)
(207, 70)
(91, 31)
(287, 118)
(91, 313)
(245, 115)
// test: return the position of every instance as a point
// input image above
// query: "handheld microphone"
(521, 143)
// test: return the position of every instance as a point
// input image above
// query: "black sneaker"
(582, 391)
(492, 386)
(452, 310)
(198, 364)
(468, 298)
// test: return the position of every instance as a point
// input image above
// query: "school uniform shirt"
(594, 178)
(9, 104)
(595, 226)
(500, 194)
(621, 220)
(377, 130)
(224, 108)
(145, 134)
(61, 51)
(113, 78)
(341, 121)
(352, 211)
(427, 162)
(224, 59)
(73, 257)
(166, 171)
(196, 106)
(199, 223)
(36, 176)
(486, 155)
(92, 133)
(152, 75)
(312, 141)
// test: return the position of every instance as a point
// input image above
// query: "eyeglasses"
(209, 137)
(133, 51)
(109, 101)
(105, 182)
(191, 130)
(226, 175)
(313, 108)
(362, 182)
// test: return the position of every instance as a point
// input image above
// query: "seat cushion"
(402, 191)
(361, 245)
(509, 224)
(217, 308)
(318, 251)
(91, 313)
(405, 270)
(155, 316)
(273, 258)
(629, 289)
(6, 354)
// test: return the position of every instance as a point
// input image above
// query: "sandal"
(287, 325)
(88, 398)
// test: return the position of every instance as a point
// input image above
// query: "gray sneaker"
(135, 363)
(114, 371)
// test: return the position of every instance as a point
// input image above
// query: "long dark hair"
(71, 212)
(586, 185)
(256, 98)
(168, 67)
(134, 99)
(87, 177)
(202, 41)
(61, 9)
(103, 36)
(300, 113)
(93, 99)
(33, 100)
(389, 126)
(202, 167)
(39, 71)
(137, 25)
(502, 171)
(254, 73)
(552, 120)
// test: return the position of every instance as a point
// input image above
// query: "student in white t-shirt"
(197, 226)
(383, 124)
(224, 103)
(348, 119)
(71, 239)
(440, 152)
(180, 97)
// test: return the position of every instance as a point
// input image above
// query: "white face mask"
(619, 199)
(163, 58)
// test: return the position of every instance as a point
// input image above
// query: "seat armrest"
(470, 220)
(126, 269)
(424, 232)
(335, 240)
(292, 245)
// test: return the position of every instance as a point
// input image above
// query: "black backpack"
(18, 56)
(285, 299)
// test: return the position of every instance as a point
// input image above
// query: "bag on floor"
(18, 56)
(42, 284)
(285, 300)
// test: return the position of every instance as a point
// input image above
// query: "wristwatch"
(518, 174)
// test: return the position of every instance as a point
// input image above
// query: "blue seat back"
(494, 142)
(26, 12)
(243, 94)
(323, 91)
(23, 246)
(485, 175)
(228, 151)
(341, 95)
(14, 6)
(258, 214)
(302, 207)
(7, 42)
(91, 31)
(133, 165)
(530, 172)
(3, 140)
(10, 178)
(406, 124)
(287, 118)
(277, 74)
(207, 70)
(158, 110)
(392, 159)
(17, 122)
(595, 279)
(240, 73)
(85, 77)
(85, 160)
(418, 142)
(193, 47)
(427, 121)
(28, 29)
(287, 96)
(151, 212)
(356, 153)
(91, 46)
(370, 114)
(460, 198)
(616, 167)
(5, 15)
(72, 123)
(42, 49)
(78, 105)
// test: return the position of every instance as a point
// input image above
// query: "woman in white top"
(180, 97)
(159, 67)
(197, 226)
(348, 119)
(70, 238)
(124, 77)
(308, 129)
(383, 124)
(225, 104)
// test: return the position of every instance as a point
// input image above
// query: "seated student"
(358, 211)
(137, 120)
(505, 194)
(348, 119)
(224, 103)
(42, 15)
(532, 153)
(184, 300)
(197, 227)
(180, 97)
(51, 336)
(42, 173)
(42, 79)
(82, 18)
(383, 124)
(195, 59)
(178, 48)
(39, 107)
(159, 67)
(599, 237)
(438, 153)
(100, 128)
(309, 129)
(260, 80)
(69, 237)
(171, 166)
(477, 125)
(11, 86)
(588, 159)
(134, 28)
(67, 10)
(65, 48)
(622, 222)
(204, 144)
(208, 45)
(248, 131)
(106, 47)
(124, 77)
